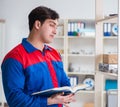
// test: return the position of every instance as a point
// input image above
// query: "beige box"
(89, 105)
(110, 58)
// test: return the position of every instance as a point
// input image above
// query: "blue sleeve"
(65, 79)
(13, 83)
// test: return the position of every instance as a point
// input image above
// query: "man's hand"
(60, 99)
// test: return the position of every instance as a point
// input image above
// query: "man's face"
(48, 30)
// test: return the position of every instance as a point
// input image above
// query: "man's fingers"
(67, 99)
(60, 94)
(60, 99)
(71, 100)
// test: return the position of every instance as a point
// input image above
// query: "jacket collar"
(30, 48)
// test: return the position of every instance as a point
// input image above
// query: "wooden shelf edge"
(108, 19)
(108, 74)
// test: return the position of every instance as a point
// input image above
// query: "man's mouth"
(52, 36)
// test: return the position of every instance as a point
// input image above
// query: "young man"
(33, 66)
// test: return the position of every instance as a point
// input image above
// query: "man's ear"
(37, 24)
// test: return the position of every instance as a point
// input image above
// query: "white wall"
(15, 13)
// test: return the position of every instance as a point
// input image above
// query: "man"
(34, 66)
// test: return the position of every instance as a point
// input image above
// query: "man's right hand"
(60, 99)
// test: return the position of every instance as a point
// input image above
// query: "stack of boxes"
(109, 64)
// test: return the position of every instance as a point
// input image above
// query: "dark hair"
(41, 13)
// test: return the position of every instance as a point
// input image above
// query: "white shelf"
(77, 20)
(109, 19)
(80, 73)
(81, 55)
(59, 37)
(86, 92)
(108, 74)
(105, 92)
(111, 37)
(81, 37)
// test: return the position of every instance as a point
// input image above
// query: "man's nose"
(55, 31)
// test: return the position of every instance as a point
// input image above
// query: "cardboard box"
(110, 58)
(89, 105)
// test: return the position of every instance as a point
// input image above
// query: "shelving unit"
(101, 19)
(106, 45)
(84, 59)
(88, 63)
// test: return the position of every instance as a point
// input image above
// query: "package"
(89, 105)
(111, 68)
(110, 58)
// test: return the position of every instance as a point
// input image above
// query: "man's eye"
(51, 25)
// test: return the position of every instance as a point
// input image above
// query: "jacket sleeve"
(65, 81)
(13, 84)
